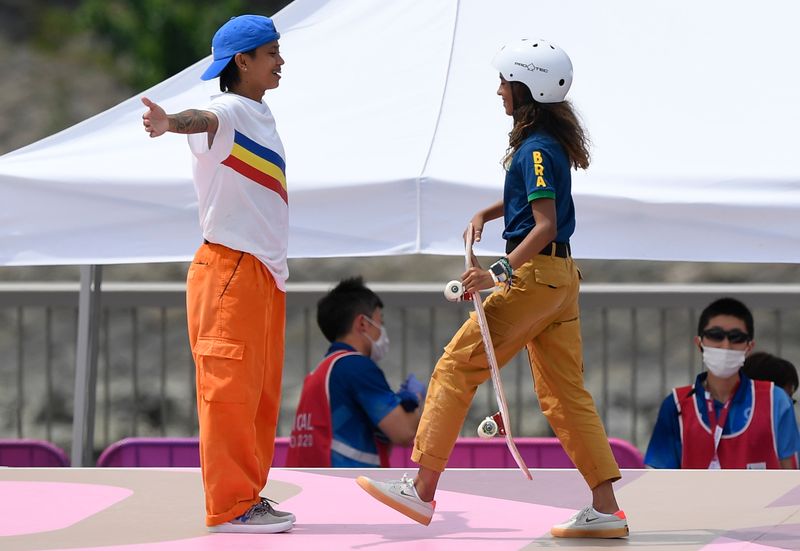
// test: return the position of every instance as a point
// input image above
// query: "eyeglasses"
(717, 334)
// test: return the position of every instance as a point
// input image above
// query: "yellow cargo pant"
(539, 311)
(236, 317)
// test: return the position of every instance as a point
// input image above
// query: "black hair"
(727, 307)
(229, 77)
(337, 310)
(764, 366)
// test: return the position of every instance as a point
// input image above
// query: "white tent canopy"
(394, 136)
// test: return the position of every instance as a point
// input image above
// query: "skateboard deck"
(494, 369)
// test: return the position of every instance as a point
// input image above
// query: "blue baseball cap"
(240, 34)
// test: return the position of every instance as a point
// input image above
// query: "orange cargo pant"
(539, 311)
(236, 318)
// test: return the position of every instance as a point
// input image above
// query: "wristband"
(501, 271)
(507, 265)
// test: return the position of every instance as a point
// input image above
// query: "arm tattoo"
(191, 121)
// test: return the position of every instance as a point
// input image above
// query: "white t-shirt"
(241, 182)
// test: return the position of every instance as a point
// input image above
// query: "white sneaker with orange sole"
(588, 523)
(401, 496)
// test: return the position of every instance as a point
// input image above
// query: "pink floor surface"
(161, 510)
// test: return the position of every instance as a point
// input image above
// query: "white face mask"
(723, 362)
(379, 348)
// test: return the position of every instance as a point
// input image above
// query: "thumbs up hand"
(154, 119)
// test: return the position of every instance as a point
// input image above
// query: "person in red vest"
(726, 420)
(348, 416)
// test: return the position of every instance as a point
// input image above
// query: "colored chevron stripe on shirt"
(258, 163)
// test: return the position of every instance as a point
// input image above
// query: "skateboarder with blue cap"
(236, 290)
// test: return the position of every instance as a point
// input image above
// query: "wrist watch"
(498, 272)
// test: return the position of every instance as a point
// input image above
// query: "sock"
(598, 513)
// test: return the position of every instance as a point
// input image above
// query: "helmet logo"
(531, 67)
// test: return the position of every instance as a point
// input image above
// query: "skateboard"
(499, 423)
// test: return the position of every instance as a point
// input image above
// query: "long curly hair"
(557, 119)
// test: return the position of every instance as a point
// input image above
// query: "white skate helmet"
(543, 67)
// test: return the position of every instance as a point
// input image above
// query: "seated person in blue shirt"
(764, 366)
(348, 415)
(725, 420)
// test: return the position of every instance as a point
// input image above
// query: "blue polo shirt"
(665, 449)
(360, 398)
(539, 169)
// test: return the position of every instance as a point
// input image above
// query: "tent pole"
(86, 366)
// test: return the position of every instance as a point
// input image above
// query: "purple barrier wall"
(538, 453)
(151, 452)
(468, 453)
(31, 453)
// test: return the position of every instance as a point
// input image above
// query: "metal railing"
(638, 343)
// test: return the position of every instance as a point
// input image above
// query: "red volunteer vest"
(312, 431)
(752, 447)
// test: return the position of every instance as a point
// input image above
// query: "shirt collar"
(741, 391)
(337, 345)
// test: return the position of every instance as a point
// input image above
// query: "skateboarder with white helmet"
(537, 303)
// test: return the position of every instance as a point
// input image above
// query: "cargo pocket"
(463, 344)
(552, 276)
(220, 363)
(467, 344)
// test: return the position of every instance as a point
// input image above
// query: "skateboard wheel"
(487, 428)
(454, 291)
